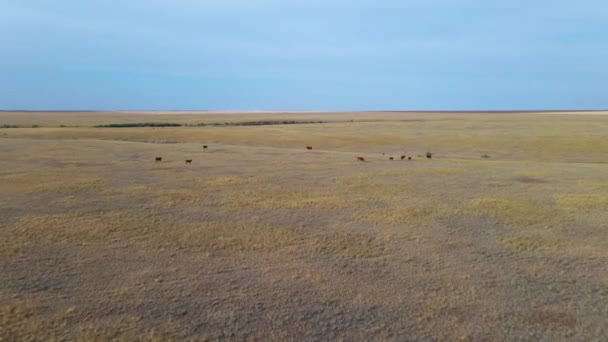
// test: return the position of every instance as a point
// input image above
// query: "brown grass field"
(259, 239)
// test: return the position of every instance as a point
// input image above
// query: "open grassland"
(547, 137)
(260, 239)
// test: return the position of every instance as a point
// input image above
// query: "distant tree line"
(15, 126)
(172, 124)
(260, 123)
(141, 124)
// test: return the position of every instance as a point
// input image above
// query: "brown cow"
(309, 148)
(402, 157)
(390, 158)
(204, 147)
(159, 159)
(409, 158)
(429, 155)
(360, 159)
(188, 161)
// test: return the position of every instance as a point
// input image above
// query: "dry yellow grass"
(26, 320)
(210, 237)
(407, 212)
(530, 243)
(548, 243)
(469, 135)
(349, 245)
(79, 227)
(285, 199)
(583, 202)
(227, 180)
(260, 239)
(71, 186)
(518, 211)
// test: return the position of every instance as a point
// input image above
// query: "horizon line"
(306, 111)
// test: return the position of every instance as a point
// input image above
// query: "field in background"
(502, 234)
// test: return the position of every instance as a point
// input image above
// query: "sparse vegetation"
(528, 243)
(349, 245)
(583, 202)
(260, 239)
(517, 211)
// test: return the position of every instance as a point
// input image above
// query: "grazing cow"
(188, 161)
(402, 157)
(204, 147)
(390, 158)
(429, 155)
(159, 159)
(360, 159)
(309, 148)
(409, 158)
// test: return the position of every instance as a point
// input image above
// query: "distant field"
(501, 235)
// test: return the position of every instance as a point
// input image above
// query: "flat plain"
(501, 235)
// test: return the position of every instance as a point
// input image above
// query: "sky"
(303, 55)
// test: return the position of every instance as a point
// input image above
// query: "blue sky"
(303, 54)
